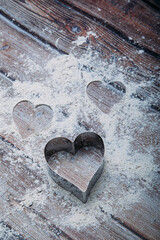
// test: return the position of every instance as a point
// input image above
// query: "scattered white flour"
(6, 232)
(140, 51)
(37, 196)
(64, 89)
(82, 39)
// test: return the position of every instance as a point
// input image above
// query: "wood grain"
(34, 222)
(16, 60)
(20, 174)
(105, 96)
(17, 57)
(60, 25)
(153, 3)
(19, 178)
(135, 21)
(31, 119)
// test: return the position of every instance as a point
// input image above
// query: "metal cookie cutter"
(76, 166)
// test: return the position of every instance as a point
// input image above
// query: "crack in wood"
(57, 231)
(102, 43)
(2, 72)
(155, 5)
(52, 226)
(13, 146)
(112, 29)
(25, 29)
(9, 232)
(6, 141)
(125, 225)
(54, 19)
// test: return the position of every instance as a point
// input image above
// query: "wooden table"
(124, 204)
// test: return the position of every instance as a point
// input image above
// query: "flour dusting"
(129, 160)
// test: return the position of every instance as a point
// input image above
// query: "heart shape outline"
(28, 118)
(105, 96)
(86, 139)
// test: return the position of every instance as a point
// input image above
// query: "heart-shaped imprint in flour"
(76, 166)
(105, 96)
(31, 119)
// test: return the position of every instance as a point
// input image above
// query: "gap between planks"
(106, 44)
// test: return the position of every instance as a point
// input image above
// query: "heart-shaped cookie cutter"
(87, 139)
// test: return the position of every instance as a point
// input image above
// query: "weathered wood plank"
(143, 215)
(22, 62)
(109, 225)
(60, 25)
(133, 19)
(147, 211)
(21, 179)
(32, 221)
(21, 55)
(16, 57)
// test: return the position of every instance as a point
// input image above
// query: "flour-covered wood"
(123, 203)
(59, 25)
(19, 60)
(135, 21)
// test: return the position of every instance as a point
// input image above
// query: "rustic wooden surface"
(122, 29)
(59, 25)
(134, 17)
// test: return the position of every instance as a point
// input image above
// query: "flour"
(83, 39)
(6, 232)
(64, 89)
(37, 196)
(140, 51)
